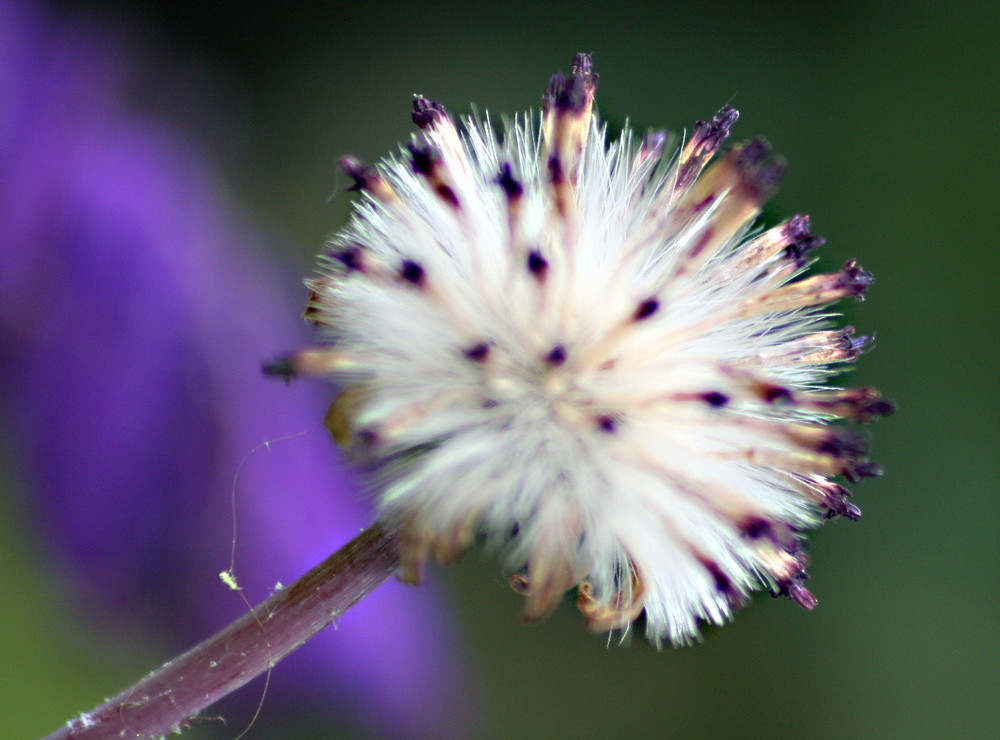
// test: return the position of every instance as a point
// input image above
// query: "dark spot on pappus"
(556, 356)
(512, 188)
(715, 399)
(606, 423)
(755, 527)
(478, 352)
(413, 273)
(537, 264)
(646, 309)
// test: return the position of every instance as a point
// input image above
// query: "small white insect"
(585, 353)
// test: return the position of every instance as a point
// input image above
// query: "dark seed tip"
(869, 470)
(715, 399)
(854, 280)
(412, 273)
(447, 194)
(843, 443)
(573, 97)
(556, 356)
(855, 346)
(350, 258)
(537, 264)
(477, 353)
(797, 227)
(357, 171)
(854, 471)
(761, 170)
(723, 583)
(801, 241)
(572, 94)
(646, 309)
(511, 187)
(751, 154)
(878, 408)
(423, 159)
(837, 502)
(802, 596)
(556, 172)
(756, 527)
(427, 113)
(556, 84)
(606, 424)
(582, 64)
(713, 132)
(769, 175)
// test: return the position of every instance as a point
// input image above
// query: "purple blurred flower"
(134, 314)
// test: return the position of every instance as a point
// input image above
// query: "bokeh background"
(883, 111)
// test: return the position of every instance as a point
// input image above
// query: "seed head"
(587, 354)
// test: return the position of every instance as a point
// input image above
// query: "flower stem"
(164, 700)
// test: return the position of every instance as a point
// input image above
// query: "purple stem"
(168, 697)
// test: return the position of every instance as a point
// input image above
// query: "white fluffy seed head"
(588, 354)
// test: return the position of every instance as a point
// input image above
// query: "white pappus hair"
(590, 355)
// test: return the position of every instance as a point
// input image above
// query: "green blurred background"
(882, 110)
